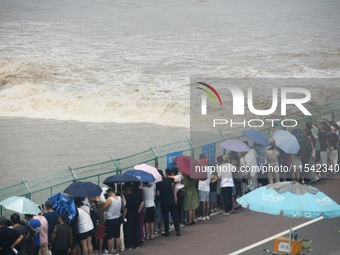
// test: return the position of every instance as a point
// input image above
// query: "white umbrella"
(151, 170)
(20, 205)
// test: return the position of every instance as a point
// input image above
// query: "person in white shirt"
(226, 184)
(114, 207)
(203, 190)
(85, 227)
(149, 191)
(251, 162)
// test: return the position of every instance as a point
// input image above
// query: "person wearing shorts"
(85, 227)
(114, 208)
(149, 201)
(204, 190)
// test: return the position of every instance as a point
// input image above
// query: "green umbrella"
(20, 205)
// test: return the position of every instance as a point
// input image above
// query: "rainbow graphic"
(213, 94)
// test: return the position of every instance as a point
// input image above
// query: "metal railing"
(39, 189)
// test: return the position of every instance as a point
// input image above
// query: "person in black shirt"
(134, 204)
(9, 238)
(166, 194)
(62, 238)
(17, 226)
(51, 217)
(325, 146)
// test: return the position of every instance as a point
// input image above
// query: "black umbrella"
(305, 143)
(120, 178)
(83, 189)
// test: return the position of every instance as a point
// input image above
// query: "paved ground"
(227, 234)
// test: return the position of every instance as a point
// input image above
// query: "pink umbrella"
(191, 167)
(151, 170)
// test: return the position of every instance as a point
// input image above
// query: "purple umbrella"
(256, 137)
(235, 145)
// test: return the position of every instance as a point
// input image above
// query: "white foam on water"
(119, 66)
(40, 101)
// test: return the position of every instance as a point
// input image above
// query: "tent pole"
(290, 235)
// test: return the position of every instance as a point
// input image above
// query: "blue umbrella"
(83, 189)
(305, 144)
(256, 137)
(286, 141)
(292, 199)
(63, 204)
(141, 175)
(235, 145)
(120, 178)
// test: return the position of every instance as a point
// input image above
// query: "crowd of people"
(128, 215)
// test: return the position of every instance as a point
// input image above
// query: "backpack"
(95, 218)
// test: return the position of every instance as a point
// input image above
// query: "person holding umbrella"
(226, 184)
(272, 158)
(114, 208)
(165, 193)
(251, 162)
(191, 202)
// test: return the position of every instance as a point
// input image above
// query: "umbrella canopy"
(256, 137)
(305, 143)
(151, 170)
(141, 175)
(20, 205)
(83, 189)
(63, 204)
(191, 167)
(292, 199)
(286, 141)
(120, 178)
(235, 145)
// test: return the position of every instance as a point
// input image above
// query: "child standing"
(62, 238)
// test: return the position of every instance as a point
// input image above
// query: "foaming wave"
(251, 72)
(40, 101)
(302, 71)
(16, 71)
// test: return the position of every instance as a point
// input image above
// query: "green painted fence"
(39, 189)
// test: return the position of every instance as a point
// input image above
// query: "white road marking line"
(275, 236)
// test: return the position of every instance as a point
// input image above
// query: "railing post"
(156, 157)
(28, 194)
(192, 150)
(51, 191)
(332, 108)
(115, 164)
(72, 173)
(219, 130)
